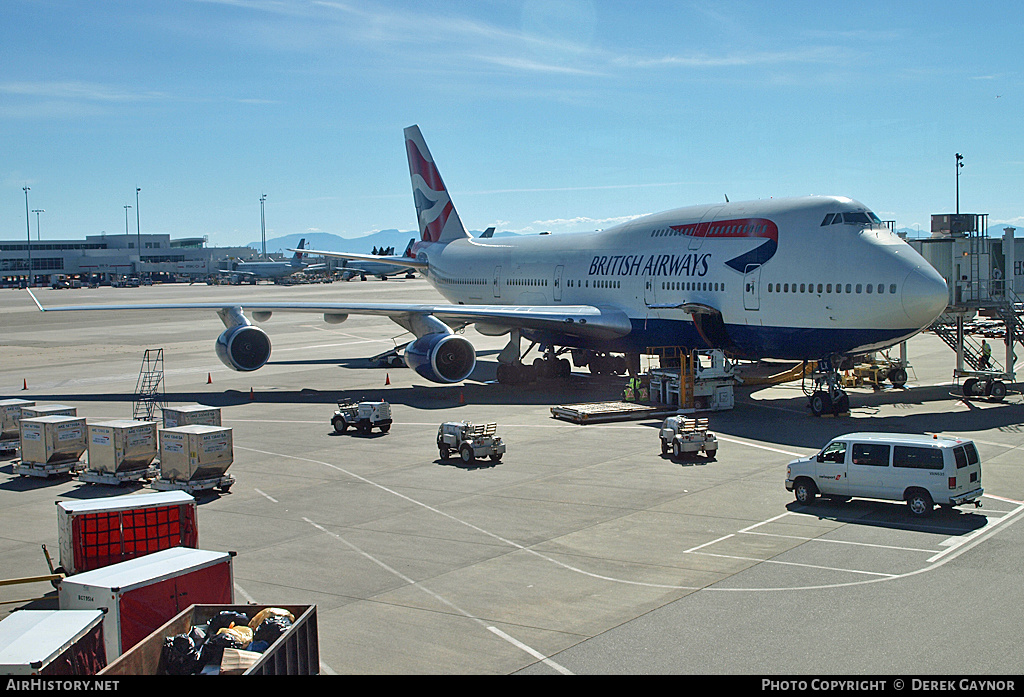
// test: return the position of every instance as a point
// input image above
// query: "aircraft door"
(702, 228)
(497, 281)
(752, 287)
(650, 297)
(558, 284)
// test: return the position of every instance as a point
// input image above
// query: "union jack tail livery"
(437, 217)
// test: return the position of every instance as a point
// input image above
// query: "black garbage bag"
(225, 619)
(180, 655)
(213, 650)
(271, 628)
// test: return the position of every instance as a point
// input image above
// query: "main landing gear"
(827, 396)
(512, 370)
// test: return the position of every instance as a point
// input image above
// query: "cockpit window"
(855, 218)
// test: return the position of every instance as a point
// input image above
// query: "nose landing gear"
(827, 396)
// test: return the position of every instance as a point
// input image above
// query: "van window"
(917, 458)
(961, 457)
(871, 454)
(972, 453)
(833, 452)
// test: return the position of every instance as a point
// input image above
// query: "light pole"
(28, 235)
(959, 166)
(138, 232)
(126, 207)
(37, 211)
(263, 225)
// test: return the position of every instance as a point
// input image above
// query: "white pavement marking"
(515, 642)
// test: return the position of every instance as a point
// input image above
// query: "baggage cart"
(143, 593)
(10, 415)
(120, 451)
(296, 652)
(190, 415)
(52, 642)
(100, 532)
(195, 458)
(51, 445)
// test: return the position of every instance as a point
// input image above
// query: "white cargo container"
(191, 414)
(10, 414)
(38, 410)
(142, 594)
(195, 457)
(51, 445)
(52, 642)
(121, 450)
(100, 532)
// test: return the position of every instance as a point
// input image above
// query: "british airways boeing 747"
(817, 278)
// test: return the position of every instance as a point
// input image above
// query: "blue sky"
(560, 115)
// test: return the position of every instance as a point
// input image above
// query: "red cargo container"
(142, 594)
(101, 532)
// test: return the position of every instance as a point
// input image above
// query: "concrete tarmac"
(583, 551)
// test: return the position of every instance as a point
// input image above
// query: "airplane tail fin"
(437, 217)
(298, 249)
(408, 249)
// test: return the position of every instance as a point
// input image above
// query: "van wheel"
(805, 491)
(920, 504)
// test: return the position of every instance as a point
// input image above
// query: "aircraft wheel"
(898, 377)
(842, 404)
(820, 403)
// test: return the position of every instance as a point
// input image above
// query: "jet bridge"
(980, 273)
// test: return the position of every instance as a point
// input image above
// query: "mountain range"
(400, 239)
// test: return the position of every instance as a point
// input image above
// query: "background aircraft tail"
(298, 251)
(437, 217)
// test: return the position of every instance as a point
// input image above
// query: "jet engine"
(441, 357)
(243, 348)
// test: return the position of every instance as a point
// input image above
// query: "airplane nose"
(925, 296)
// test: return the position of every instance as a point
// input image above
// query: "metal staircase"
(149, 393)
(949, 328)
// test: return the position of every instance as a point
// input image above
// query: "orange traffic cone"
(25, 384)
(387, 378)
(252, 395)
(209, 379)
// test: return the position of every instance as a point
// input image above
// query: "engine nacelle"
(441, 357)
(243, 348)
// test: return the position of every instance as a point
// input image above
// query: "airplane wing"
(401, 261)
(586, 321)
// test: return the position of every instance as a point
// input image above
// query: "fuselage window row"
(827, 288)
(691, 285)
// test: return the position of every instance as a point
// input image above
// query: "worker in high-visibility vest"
(986, 355)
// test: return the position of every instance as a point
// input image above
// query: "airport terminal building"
(104, 258)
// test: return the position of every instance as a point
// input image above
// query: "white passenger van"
(921, 470)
